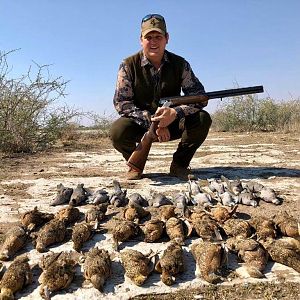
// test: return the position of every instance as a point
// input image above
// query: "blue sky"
(250, 42)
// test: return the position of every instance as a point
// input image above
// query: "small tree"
(236, 114)
(29, 120)
(289, 115)
(267, 115)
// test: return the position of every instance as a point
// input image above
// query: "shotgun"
(138, 158)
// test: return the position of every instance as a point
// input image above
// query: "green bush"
(248, 113)
(29, 119)
(267, 115)
(289, 116)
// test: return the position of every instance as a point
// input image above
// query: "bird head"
(139, 279)
(98, 282)
(167, 279)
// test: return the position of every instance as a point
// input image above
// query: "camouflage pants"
(125, 134)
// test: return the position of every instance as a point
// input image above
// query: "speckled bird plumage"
(58, 273)
(34, 218)
(166, 212)
(51, 233)
(96, 213)
(137, 266)
(69, 214)
(208, 257)
(236, 227)
(204, 225)
(284, 251)
(97, 267)
(222, 214)
(81, 233)
(15, 240)
(124, 230)
(175, 230)
(264, 227)
(17, 276)
(153, 230)
(288, 225)
(251, 253)
(171, 263)
(135, 212)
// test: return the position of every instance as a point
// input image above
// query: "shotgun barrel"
(179, 100)
(235, 92)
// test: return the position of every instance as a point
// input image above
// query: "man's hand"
(163, 134)
(164, 116)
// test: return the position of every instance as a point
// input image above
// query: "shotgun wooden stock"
(138, 158)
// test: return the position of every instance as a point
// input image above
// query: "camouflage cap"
(153, 23)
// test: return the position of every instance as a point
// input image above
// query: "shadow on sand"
(229, 172)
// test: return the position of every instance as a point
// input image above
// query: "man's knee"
(116, 131)
(125, 130)
(197, 127)
(200, 121)
(205, 119)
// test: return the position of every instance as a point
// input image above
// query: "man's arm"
(123, 99)
(190, 85)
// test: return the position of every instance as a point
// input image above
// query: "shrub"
(102, 123)
(248, 113)
(236, 114)
(289, 116)
(267, 115)
(29, 119)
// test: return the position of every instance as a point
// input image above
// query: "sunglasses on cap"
(150, 16)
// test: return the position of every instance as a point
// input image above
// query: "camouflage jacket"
(123, 98)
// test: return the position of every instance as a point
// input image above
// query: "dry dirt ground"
(272, 159)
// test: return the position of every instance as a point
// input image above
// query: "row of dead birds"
(222, 190)
(219, 229)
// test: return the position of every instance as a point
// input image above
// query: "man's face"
(154, 44)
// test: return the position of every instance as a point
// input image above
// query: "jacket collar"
(145, 61)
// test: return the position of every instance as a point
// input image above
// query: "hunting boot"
(133, 174)
(179, 171)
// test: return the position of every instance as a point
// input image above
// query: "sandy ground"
(29, 181)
